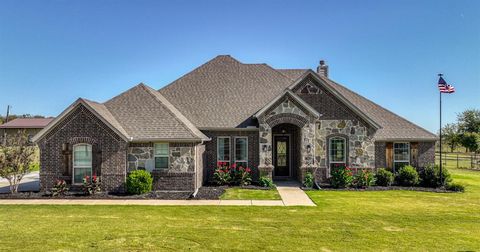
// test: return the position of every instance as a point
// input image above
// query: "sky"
(52, 52)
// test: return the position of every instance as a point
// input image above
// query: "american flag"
(444, 87)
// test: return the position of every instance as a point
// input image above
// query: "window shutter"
(67, 159)
(414, 154)
(97, 160)
(389, 155)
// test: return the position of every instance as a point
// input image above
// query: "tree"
(451, 136)
(469, 121)
(15, 160)
(471, 141)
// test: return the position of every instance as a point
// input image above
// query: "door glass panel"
(281, 153)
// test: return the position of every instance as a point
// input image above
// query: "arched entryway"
(286, 146)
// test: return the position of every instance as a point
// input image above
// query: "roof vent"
(322, 69)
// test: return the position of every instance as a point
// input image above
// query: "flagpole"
(441, 175)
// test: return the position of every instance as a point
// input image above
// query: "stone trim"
(290, 118)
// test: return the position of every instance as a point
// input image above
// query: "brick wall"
(380, 158)
(173, 181)
(211, 150)
(82, 126)
(426, 153)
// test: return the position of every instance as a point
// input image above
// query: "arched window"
(82, 162)
(337, 147)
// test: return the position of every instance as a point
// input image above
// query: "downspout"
(194, 194)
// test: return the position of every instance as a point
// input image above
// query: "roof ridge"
(198, 67)
(119, 126)
(174, 111)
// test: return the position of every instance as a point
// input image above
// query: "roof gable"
(97, 109)
(147, 116)
(276, 105)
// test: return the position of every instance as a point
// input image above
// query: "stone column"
(307, 153)
(265, 166)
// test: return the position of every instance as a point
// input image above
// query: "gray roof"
(146, 115)
(225, 93)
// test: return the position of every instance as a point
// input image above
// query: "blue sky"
(52, 52)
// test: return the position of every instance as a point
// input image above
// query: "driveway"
(30, 182)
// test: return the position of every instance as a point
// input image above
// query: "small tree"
(469, 121)
(451, 136)
(15, 159)
(471, 141)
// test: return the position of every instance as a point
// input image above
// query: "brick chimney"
(322, 69)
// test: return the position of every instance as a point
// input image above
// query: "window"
(82, 162)
(337, 151)
(223, 150)
(241, 151)
(401, 155)
(161, 156)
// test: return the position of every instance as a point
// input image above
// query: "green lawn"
(342, 221)
(250, 194)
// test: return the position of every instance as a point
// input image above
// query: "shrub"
(238, 175)
(91, 185)
(265, 182)
(456, 187)
(222, 175)
(309, 180)
(60, 188)
(384, 177)
(407, 176)
(363, 179)
(139, 182)
(430, 176)
(241, 175)
(341, 177)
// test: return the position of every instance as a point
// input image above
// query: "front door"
(281, 156)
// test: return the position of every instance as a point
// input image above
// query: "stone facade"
(180, 176)
(181, 157)
(287, 111)
(82, 126)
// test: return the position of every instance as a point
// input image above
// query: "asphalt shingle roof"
(225, 93)
(145, 114)
(27, 123)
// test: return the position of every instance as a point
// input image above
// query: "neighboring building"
(31, 126)
(280, 122)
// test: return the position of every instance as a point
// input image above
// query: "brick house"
(31, 126)
(280, 122)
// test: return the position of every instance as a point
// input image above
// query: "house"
(280, 122)
(31, 126)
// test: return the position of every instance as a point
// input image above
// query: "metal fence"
(459, 160)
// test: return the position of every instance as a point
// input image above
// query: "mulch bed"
(208, 192)
(382, 188)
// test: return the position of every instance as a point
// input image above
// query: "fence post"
(457, 160)
(471, 162)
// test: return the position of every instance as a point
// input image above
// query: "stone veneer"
(287, 110)
(181, 157)
(180, 176)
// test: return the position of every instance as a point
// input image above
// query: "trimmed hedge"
(139, 182)
(407, 176)
(384, 177)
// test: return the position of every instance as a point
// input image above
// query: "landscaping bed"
(382, 188)
(204, 193)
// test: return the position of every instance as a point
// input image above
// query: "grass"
(250, 194)
(342, 221)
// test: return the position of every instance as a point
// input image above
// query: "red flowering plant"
(91, 185)
(60, 188)
(241, 175)
(363, 179)
(221, 174)
(342, 176)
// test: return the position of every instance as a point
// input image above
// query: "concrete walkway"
(292, 195)
(290, 192)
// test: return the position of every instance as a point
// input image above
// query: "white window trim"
(80, 166)
(344, 161)
(401, 161)
(235, 149)
(164, 155)
(229, 149)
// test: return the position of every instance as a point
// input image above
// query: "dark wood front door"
(281, 156)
